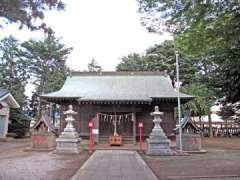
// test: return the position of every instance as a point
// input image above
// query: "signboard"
(95, 131)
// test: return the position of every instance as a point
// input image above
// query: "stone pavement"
(114, 165)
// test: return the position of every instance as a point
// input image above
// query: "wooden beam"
(134, 127)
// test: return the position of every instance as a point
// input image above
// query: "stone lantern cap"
(70, 111)
(156, 112)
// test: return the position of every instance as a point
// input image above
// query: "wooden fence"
(222, 131)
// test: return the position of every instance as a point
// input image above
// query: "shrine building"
(7, 101)
(117, 102)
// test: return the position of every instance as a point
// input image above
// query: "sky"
(105, 30)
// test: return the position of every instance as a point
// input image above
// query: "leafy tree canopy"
(160, 58)
(40, 62)
(204, 98)
(26, 12)
(48, 70)
(208, 31)
(13, 77)
(93, 66)
(48, 67)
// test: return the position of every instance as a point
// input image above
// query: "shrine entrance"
(114, 124)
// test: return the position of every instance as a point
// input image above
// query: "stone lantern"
(69, 141)
(158, 143)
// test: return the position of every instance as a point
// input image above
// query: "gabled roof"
(187, 120)
(3, 92)
(47, 120)
(7, 96)
(117, 86)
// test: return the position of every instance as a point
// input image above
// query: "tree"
(94, 67)
(13, 77)
(207, 31)
(201, 103)
(132, 62)
(160, 58)
(48, 70)
(26, 12)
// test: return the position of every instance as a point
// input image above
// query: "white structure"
(6, 102)
(216, 119)
(69, 141)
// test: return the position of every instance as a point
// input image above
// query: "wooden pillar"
(134, 127)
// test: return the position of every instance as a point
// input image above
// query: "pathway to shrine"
(114, 165)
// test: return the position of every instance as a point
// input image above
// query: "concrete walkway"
(114, 165)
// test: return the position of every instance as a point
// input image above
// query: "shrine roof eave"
(116, 101)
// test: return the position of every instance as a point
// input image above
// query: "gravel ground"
(220, 162)
(18, 164)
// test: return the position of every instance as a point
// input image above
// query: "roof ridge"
(119, 73)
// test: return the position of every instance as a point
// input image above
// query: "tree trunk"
(210, 125)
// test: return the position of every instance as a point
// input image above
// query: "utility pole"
(179, 103)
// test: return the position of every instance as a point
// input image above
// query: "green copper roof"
(117, 86)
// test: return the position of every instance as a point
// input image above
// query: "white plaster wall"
(4, 112)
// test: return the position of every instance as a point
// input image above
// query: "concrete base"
(39, 149)
(3, 139)
(159, 147)
(68, 145)
(202, 151)
(158, 144)
(190, 142)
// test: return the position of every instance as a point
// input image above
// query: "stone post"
(158, 143)
(69, 141)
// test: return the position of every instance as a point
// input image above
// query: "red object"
(90, 124)
(140, 125)
(90, 147)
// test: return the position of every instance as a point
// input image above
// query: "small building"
(7, 101)
(117, 101)
(43, 134)
(191, 138)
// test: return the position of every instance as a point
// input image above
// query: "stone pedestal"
(43, 141)
(158, 144)
(68, 142)
(190, 142)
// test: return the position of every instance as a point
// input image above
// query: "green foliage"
(93, 66)
(132, 62)
(13, 68)
(26, 12)
(160, 58)
(207, 31)
(48, 70)
(203, 100)
(42, 62)
(13, 77)
(18, 123)
(48, 67)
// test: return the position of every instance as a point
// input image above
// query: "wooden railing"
(222, 131)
